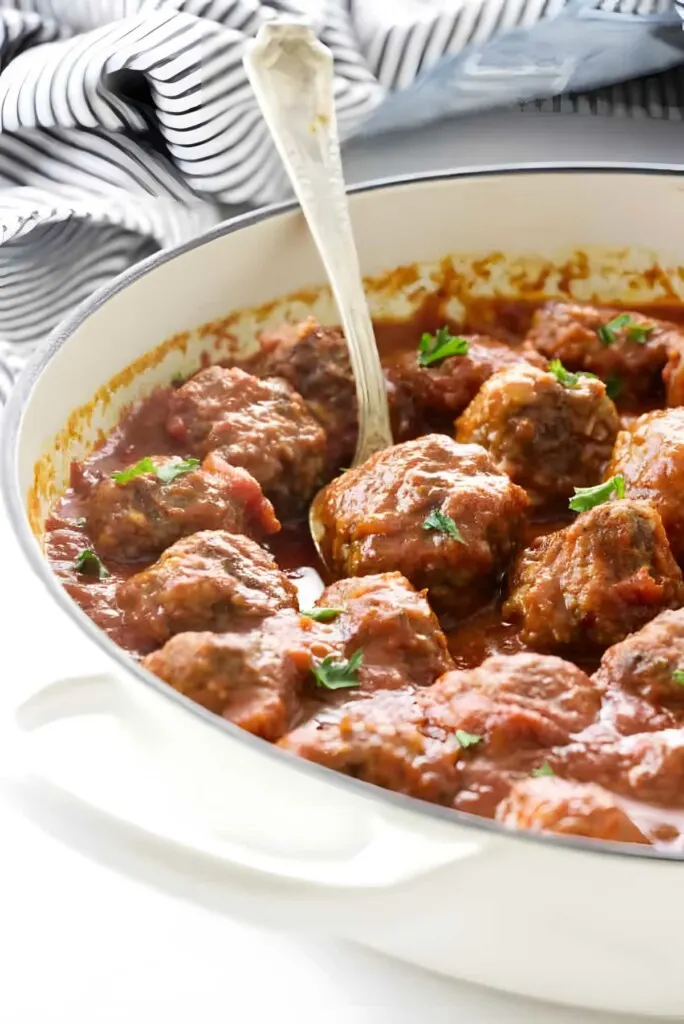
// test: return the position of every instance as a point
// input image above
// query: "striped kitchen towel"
(129, 125)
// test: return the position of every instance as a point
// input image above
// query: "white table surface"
(82, 944)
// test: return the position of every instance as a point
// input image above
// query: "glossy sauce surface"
(141, 432)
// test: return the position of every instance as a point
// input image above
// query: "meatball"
(443, 390)
(142, 512)
(384, 740)
(544, 683)
(212, 580)
(262, 425)
(650, 457)
(567, 808)
(438, 512)
(548, 436)
(253, 678)
(595, 581)
(649, 663)
(626, 347)
(315, 361)
(461, 741)
(646, 766)
(395, 628)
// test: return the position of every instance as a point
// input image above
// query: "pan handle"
(113, 798)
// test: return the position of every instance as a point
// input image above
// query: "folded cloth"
(129, 125)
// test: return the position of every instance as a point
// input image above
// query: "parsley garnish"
(336, 675)
(145, 465)
(89, 564)
(634, 331)
(613, 387)
(175, 469)
(434, 347)
(81, 521)
(165, 473)
(543, 770)
(322, 614)
(565, 377)
(678, 676)
(589, 497)
(438, 520)
(467, 739)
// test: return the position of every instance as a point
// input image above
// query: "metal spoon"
(291, 73)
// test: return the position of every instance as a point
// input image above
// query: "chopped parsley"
(435, 347)
(81, 521)
(145, 465)
(438, 520)
(678, 676)
(633, 331)
(89, 564)
(322, 614)
(588, 497)
(467, 739)
(565, 377)
(332, 674)
(175, 469)
(613, 387)
(543, 771)
(165, 473)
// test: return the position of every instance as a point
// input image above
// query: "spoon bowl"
(291, 73)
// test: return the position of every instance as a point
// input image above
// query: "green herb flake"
(589, 497)
(565, 377)
(613, 387)
(331, 674)
(545, 770)
(467, 739)
(89, 564)
(438, 520)
(81, 521)
(322, 614)
(175, 469)
(166, 473)
(123, 476)
(435, 347)
(633, 331)
(678, 676)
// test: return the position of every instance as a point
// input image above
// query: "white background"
(82, 944)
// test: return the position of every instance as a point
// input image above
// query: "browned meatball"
(646, 766)
(632, 350)
(649, 663)
(673, 374)
(395, 628)
(443, 390)
(650, 457)
(315, 361)
(567, 808)
(384, 740)
(438, 512)
(261, 425)
(212, 580)
(595, 581)
(555, 688)
(253, 678)
(547, 436)
(134, 518)
(460, 741)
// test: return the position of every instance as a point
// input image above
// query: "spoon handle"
(291, 73)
